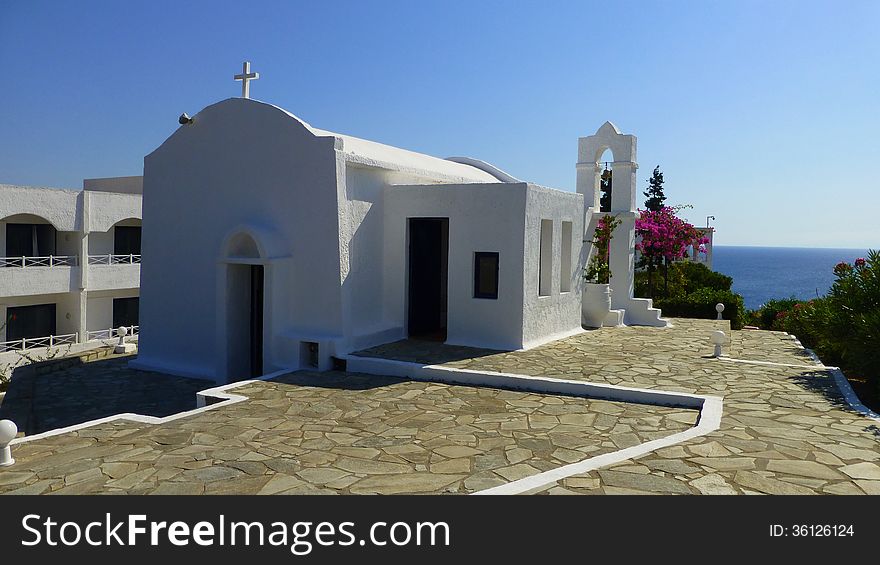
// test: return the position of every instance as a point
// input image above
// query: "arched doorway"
(244, 297)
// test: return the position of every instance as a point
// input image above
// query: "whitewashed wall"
(247, 164)
(482, 217)
(61, 208)
(558, 315)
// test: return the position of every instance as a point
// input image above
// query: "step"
(614, 318)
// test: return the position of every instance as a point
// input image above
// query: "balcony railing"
(33, 342)
(66, 339)
(110, 333)
(111, 259)
(50, 261)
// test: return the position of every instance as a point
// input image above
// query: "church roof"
(372, 153)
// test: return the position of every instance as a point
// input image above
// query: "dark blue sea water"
(762, 273)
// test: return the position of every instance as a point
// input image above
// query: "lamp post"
(718, 338)
(709, 218)
(8, 431)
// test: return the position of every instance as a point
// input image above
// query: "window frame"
(478, 255)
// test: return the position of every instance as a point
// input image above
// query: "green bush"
(701, 304)
(685, 277)
(852, 322)
(844, 326)
(765, 316)
(688, 277)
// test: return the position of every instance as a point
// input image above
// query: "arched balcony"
(114, 256)
(120, 245)
(29, 240)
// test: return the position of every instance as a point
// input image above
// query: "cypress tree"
(654, 195)
(605, 189)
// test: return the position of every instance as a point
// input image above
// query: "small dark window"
(486, 275)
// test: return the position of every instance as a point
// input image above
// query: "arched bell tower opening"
(606, 184)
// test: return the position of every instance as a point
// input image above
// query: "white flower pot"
(596, 304)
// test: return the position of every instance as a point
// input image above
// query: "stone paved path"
(785, 430)
(329, 433)
(89, 391)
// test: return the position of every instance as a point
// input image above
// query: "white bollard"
(121, 331)
(718, 338)
(8, 431)
(121, 346)
(719, 308)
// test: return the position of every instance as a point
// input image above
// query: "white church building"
(274, 244)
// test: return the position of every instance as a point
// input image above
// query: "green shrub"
(701, 304)
(685, 277)
(853, 319)
(844, 326)
(765, 316)
(688, 277)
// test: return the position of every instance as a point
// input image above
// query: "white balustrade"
(33, 342)
(109, 333)
(112, 259)
(48, 261)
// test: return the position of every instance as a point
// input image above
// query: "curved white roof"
(372, 153)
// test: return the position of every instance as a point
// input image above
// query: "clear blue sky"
(763, 114)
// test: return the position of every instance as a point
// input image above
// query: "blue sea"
(762, 273)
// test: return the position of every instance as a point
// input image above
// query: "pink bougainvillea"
(665, 235)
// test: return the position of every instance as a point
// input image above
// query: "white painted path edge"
(201, 401)
(709, 418)
(711, 407)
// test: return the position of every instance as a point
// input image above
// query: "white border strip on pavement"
(709, 418)
(201, 406)
(768, 363)
(842, 383)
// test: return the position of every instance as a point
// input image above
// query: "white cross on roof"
(245, 77)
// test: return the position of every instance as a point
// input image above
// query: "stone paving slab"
(784, 430)
(338, 433)
(89, 390)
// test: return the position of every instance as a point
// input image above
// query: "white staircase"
(635, 311)
(641, 312)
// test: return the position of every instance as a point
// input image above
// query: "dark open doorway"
(245, 321)
(125, 311)
(428, 262)
(256, 353)
(30, 240)
(26, 322)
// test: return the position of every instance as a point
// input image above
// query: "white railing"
(109, 333)
(50, 261)
(111, 259)
(32, 342)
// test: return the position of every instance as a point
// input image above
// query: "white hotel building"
(69, 262)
